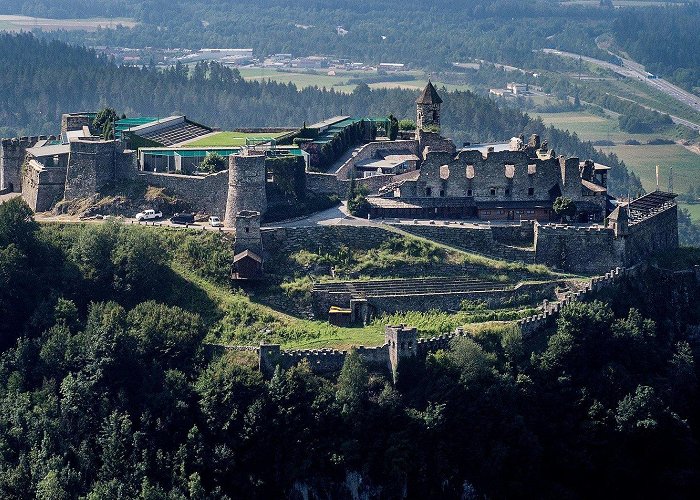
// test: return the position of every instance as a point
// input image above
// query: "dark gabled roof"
(246, 254)
(429, 95)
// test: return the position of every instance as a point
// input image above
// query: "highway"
(632, 69)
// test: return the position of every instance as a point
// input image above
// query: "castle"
(416, 176)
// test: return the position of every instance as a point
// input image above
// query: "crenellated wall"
(12, 154)
(402, 342)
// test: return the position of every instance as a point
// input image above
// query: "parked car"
(182, 219)
(215, 221)
(148, 215)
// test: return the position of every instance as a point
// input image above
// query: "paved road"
(632, 69)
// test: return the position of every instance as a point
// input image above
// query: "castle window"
(470, 171)
(530, 191)
(510, 171)
(247, 230)
(442, 193)
(493, 191)
(507, 191)
(428, 191)
(470, 192)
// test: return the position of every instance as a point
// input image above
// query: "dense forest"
(106, 391)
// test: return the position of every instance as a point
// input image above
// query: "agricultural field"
(231, 139)
(414, 80)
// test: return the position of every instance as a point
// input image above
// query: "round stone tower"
(246, 185)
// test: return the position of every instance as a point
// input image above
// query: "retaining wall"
(494, 241)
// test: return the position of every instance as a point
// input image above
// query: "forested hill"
(46, 78)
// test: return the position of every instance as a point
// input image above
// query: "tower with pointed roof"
(428, 109)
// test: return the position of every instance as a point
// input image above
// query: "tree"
(352, 384)
(104, 122)
(407, 124)
(213, 162)
(393, 128)
(564, 207)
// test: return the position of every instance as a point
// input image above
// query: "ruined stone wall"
(74, 121)
(512, 174)
(656, 233)
(207, 193)
(486, 240)
(586, 250)
(42, 187)
(12, 154)
(433, 141)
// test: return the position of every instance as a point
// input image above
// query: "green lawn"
(231, 139)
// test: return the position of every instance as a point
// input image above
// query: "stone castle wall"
(319, 183)
(12, 154)
(42, 187)
(206, 193)
(386, 356)
(653, 234)
(585, 250)
(497, 241)
(591, 250)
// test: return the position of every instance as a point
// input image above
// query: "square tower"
(428, 109)
(403, 344)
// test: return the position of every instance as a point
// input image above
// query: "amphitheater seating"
(413, 286)
(177, 133)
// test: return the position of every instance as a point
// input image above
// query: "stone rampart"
(656, 232)
(12, 154)
(531, 325)
(581, 249)
(486, 240)
(42, 187)
(207, 193)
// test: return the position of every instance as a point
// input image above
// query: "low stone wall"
(485, 240)
(293, 239)
(207, 193)
(522, 293)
